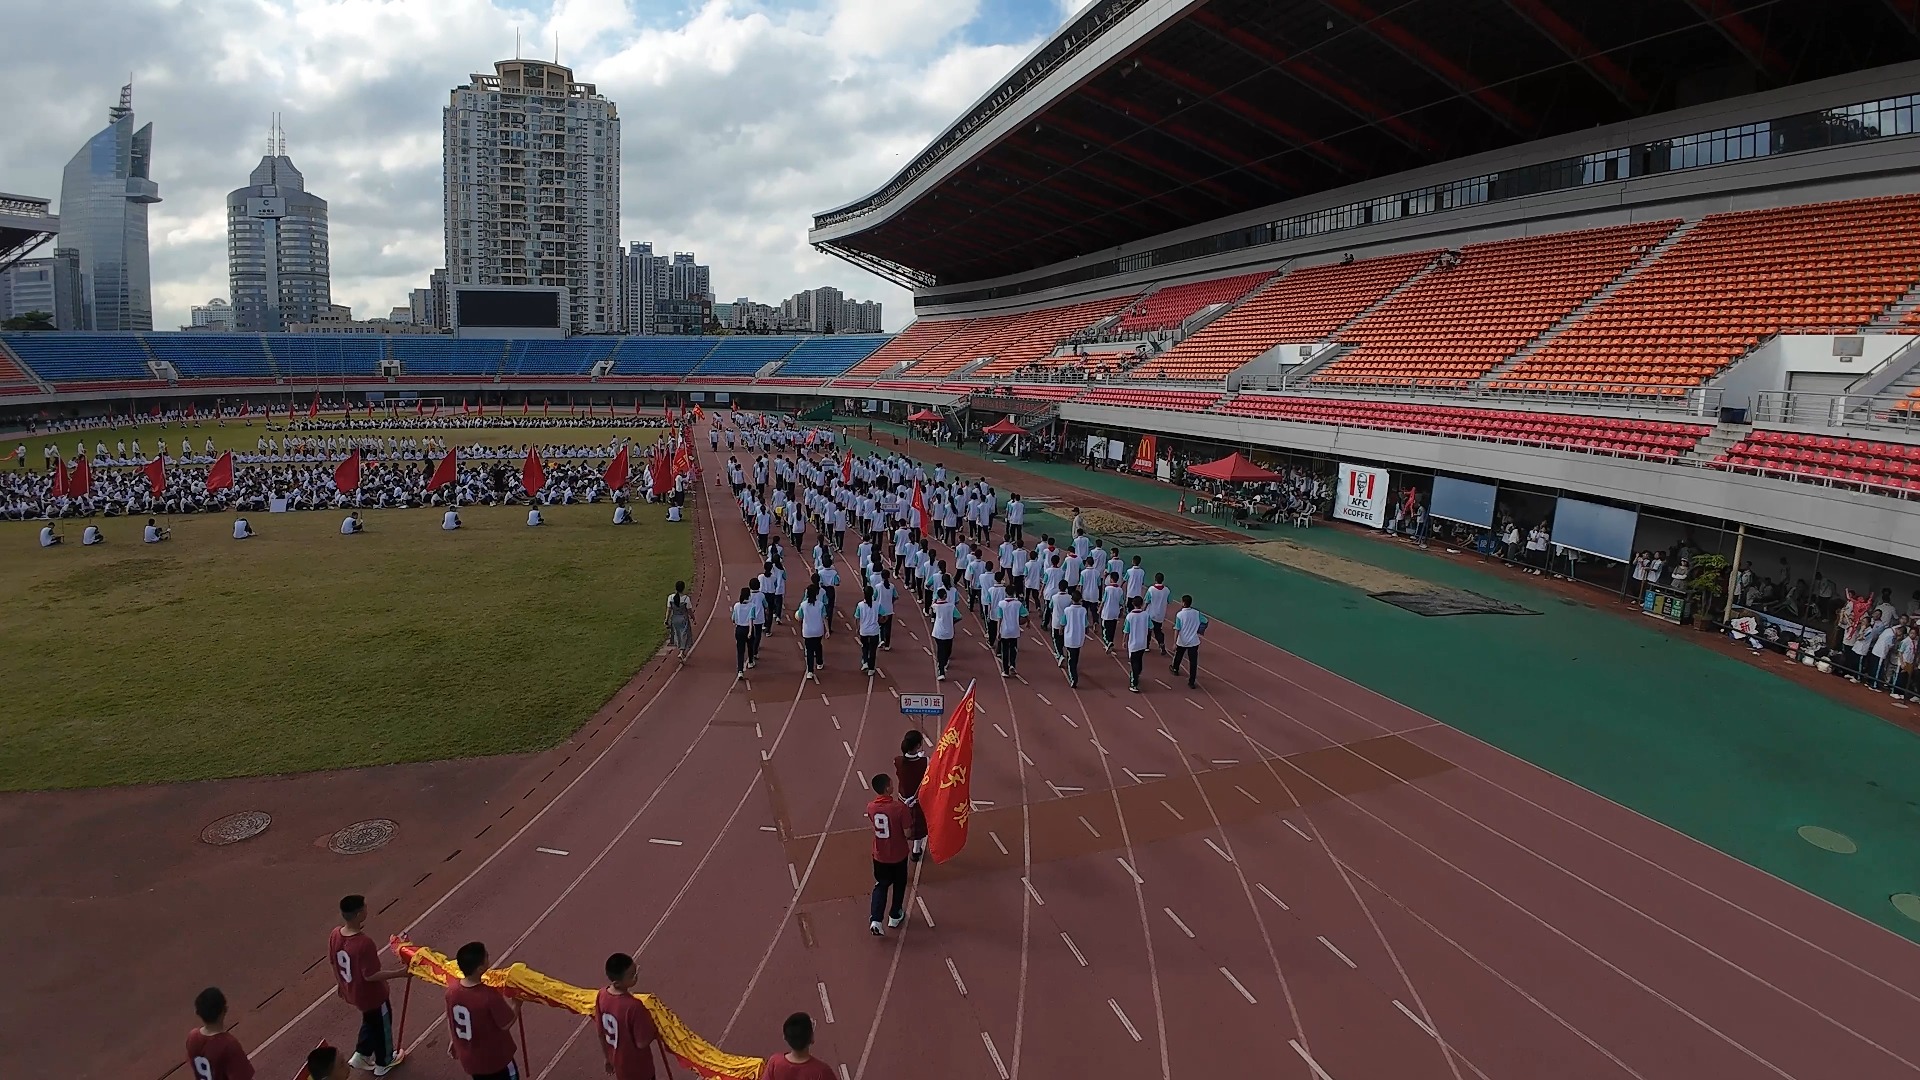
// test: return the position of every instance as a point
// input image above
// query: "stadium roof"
(25, 224)
(1145, 116)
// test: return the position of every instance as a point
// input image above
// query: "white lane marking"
(795, 875)
(1217, 850)
(1195, 702)
(1231, 726)
(1177, 921)
(865, 784)
(1236, 985)
(1097, 746)
(924, 913)
(1250, 795)
(1167, 734)
(1153, 776)
(926, 650)
(996, 842)
(1303, 835)
(1421, 1024)
(1074, 949)
(1268, 893)
(1124, 1022)
(992, 1052)
(1135, 712)
(1318, 1072)
(1226, 761)
(981, 804)
(1068, 719)
(1178, 816)
(1028, 760)
(766, 755)
(1089, 825)
(1335, 950)
(836, 722)
(824, 701)
(768, 828)
(552, 851)
(1043, 700)
(845, 1074)
(826, 1006)
(752, 707)
(1031, 891)
(1163, 684)
(1131, 872)
(955, 972)
(757, 733)
(1003, 734)
(848, 745)
(663, 842)
(1133, 776)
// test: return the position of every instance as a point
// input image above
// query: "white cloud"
(740, 118)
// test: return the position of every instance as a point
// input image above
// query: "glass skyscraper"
(104, 196)
(277, 249)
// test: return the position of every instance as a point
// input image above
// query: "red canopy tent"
(1003, 427)
(1234, 469)
(924, 416)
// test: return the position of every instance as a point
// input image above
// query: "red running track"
(1281, 874)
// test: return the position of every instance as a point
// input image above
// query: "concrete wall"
(1770, 367)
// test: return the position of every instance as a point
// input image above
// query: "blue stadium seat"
(663, 355)
(447, 356)
(830, 355)
(327, 354)
(573, 356)
(80, 357)
(204, 355)
(745, 354)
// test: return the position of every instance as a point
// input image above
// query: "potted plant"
(1706, 586)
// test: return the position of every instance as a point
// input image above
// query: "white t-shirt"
(1073, 626)
(1010, 618)
(1056, 604)
(943, 612)
(622, 515)
(533, 516)
(450, 520)
(1110, 603)
(868, 616)
(348, 526)
(813, 618)
(1138, 626)
(1186, 625)
(1136, 581)
(743, 614)
(91, 535)
(46, 536)
(241, 530)
(150, 534)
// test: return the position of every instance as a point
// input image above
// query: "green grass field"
(238, 436)
(302, 649)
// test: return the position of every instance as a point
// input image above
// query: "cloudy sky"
(740, 117)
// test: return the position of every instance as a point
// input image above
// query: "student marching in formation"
(892, 824)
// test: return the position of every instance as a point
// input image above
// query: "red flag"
(945, 794)
(546, 407)
(220, 477)
(919, 505)
(81, 482)
(189, 410)
(436, 408)
(846, 468)
(699, 413)
(156, 410)
(636, 406)
(313, 410)
(59, 479)
(669, 415)
(419, 406)
(526, 405)
(533, 475)
(443, 473)
(617, 471)
(346, 477)
(156, 471)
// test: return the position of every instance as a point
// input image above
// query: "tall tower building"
(532, 161)
(104, 195)
(643, 286)
(277, 251)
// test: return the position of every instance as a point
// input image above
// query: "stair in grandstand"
(1716, 443)
(164, 369)
(1895, 319)
(16, 377)
(1647, 258)
(1432, 263)
(273, 362)
(961, 373)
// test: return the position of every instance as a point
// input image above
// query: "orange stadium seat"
(1653, 439)
(1457, 323)
(14, 378)
(1878, 468)
(909, 344)
(1171, 306)
(1300, 306)
(1728, 284)
(1042, 331)
(1142, 398)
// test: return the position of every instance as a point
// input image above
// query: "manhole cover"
(1907, 904)
(361, 837)
(236, 827)
(1827, 839)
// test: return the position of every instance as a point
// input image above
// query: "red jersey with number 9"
(627, 1033)
(356, 959)
(482, 1024)
(890, 821)
(217, 1057)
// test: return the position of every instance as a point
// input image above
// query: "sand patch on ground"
(1366, 578)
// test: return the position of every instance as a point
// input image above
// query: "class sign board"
(923, 704)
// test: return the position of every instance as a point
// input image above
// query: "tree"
(30, 320)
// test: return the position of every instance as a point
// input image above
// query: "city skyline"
(739, 123)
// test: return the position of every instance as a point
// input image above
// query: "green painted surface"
(1717, 749)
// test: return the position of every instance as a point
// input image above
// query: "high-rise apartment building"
(663, 294)
(50, 286)
(828, 310)
(532, 163)
(215, 314)
(688, 279)
(278, 263)
(104, 195)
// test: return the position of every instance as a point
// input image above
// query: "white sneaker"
(382, 1070)
(360, 1061)
(896, 920)
(874, 927)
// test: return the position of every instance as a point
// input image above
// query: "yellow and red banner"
(946, 790)
(522, 983)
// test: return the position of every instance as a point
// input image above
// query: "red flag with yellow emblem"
(946, 790)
